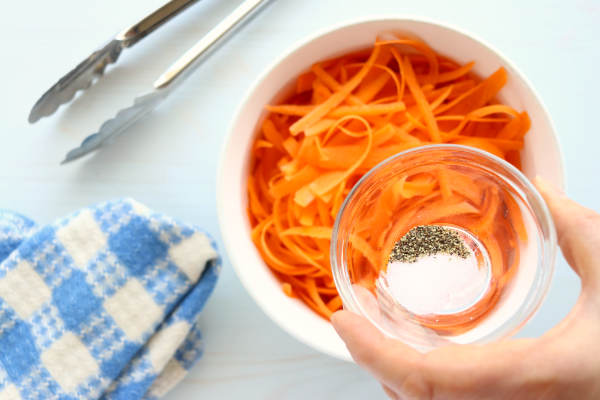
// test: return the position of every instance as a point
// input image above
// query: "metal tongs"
(82, 76)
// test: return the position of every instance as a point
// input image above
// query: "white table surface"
(169, 160)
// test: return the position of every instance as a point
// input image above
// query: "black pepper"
(428, 240)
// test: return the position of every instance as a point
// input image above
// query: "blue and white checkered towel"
(100, 304)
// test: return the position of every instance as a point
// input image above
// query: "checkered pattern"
(101, 304)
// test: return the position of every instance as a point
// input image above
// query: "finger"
(368, 301)
(392, 362)
(471, 371)
(459, 370)
(578, 230)
(390, 393)
(362, 339)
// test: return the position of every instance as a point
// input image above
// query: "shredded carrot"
(335, 99)
(424, 107)
(444, 181)
(346, 115)
(304, 82)
(287, 289)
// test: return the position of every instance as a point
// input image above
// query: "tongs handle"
(191, 58)
(137, 32)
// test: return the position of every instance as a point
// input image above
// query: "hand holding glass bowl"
(540, 156)
(561, 364)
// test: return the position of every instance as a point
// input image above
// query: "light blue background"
(169, 160)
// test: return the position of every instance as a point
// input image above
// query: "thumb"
(362, 339)
(390, 361)
(578, 230)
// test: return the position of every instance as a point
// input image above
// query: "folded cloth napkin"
(101, 304)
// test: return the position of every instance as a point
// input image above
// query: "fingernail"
(547, 187)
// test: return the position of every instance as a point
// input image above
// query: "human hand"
(562, 364)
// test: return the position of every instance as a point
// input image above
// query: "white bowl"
(541, 155)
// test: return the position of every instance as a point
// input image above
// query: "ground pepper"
(428, 240)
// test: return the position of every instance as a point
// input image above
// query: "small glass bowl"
(515, 260)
